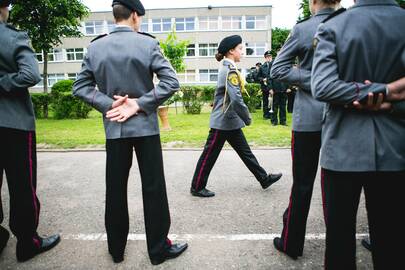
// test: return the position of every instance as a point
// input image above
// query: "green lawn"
(187, 131)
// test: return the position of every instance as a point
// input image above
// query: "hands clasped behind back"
(123, 108)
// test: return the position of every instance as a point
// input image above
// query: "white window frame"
(255, 22)
(255, 46)
(185, 22)
(187, 75)
(191, 49)
(68, 77)
(162, 22)
(92, 25)
(55, 53)
(232, 20)
(55, 77)
(209, 20)
(110, 26)
(209, 72)
(76, 51)
(210, 47)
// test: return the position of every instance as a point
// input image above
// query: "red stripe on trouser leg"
(205, 159)
(290, 204)
(34, 196)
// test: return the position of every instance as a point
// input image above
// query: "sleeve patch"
(233, 79)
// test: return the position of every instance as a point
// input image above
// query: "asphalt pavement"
(233, 230)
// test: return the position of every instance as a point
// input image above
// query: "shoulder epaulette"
(303, 20)
(147, 34)
(98, 37)
(12, 27)
(334, 14)
(232, 67)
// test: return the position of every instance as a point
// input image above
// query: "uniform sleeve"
(168, 83)
(236, 99)
(283, 67)
(326, 84)
(85, 88)
(28, 72)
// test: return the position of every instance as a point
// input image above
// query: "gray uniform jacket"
(123, 63)
(235, 114)
(308, 112)
(366, 42)
(18, 71)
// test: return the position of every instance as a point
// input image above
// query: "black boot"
(27, 250)
(170, 253)
(4, 236)
(270, 179)
(278, 244)
(202, 193)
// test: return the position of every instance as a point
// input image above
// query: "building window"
(190, 50)
(56, 55)
(189, 76)
(110, 26)
(162, 25)
(75, 54)
(231, 22)
(208, 75)
(208, 49)
(255, 49)
(40, 57)
(255, 22)
(94, 27)
(54, 78)
(185, 24)
(145, 27)
(72, 76)
(208, 23)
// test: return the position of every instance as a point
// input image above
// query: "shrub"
(192, 99)
(40, 102)
(255, 94)
(64, 104)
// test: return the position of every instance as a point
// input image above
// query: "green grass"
(187, 131)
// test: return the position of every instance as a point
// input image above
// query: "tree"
(47, 22)
(306, 12)
(278, 37)
(175, 50)
(401, 3)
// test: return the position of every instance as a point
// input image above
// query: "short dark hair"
(121, 12)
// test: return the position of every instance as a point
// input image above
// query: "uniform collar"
(122, 28)
(228, 62)
(325, 11)
(374, 2)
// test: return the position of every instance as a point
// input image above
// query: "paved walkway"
(233, 230)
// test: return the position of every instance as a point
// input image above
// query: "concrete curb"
(101, 149)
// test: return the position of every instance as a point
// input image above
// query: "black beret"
(5, 3)
(229, 43)
(267, 53)
(133, 5)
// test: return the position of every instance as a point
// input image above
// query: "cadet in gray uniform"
(122, 65)
(307, 124)
(362, 148)
(18, 71)
(266, 83)
(228, 117)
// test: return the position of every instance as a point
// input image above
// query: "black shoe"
(274, 124)
(367, 244)
(278, 244)
(24, 254)
(202, 193)
(270, 179)
(170, 253)
(118, 259)
(4, 236)
(284, 124)
(266, 117)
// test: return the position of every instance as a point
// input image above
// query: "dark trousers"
(305, 148)
(265, 96)
(290, 101)
(19, 161)
(156, 209)
(212, 149)
(384, 203)
(279, 108)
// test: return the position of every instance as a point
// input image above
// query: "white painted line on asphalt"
(207, 237)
